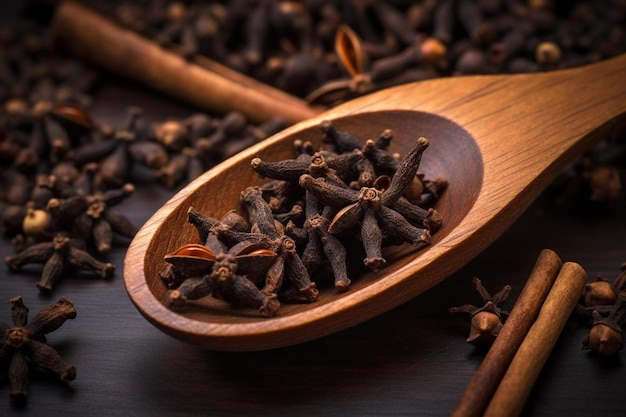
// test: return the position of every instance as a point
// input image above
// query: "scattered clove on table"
(606, 333)
(604, 303)
(486, 321)
(58, 256)
(24, 344)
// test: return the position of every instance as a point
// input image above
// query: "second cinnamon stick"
(533, 353)
(485, 381)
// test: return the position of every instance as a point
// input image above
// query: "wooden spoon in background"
(498, 140)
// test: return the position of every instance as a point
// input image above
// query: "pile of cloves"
(352, 192)
(292, 44)
(63, 172)
(64, 177)
(331, 51)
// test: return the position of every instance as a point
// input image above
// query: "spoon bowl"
(497, 140)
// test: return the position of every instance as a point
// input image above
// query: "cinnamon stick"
(485, 381)
(533, 353)
(206, 84)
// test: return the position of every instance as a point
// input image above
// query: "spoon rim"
(237, 335)
(548, 96)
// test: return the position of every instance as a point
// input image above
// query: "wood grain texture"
(499, 140)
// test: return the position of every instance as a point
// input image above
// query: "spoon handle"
(553, 114)
(557, 113)
(528, 127)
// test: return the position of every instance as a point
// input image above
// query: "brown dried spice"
(26, 341)
(486, 321)
(606, 335)
(57, 256)
(301, 220)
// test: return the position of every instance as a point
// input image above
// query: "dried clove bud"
(36, 223)
(24, 344)
(57, 256)
(172, 134)
(606, 334)
(601, 292)
(486, 321)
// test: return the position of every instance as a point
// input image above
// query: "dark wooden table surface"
(412, 360)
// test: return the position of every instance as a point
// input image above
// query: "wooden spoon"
(498, 140)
